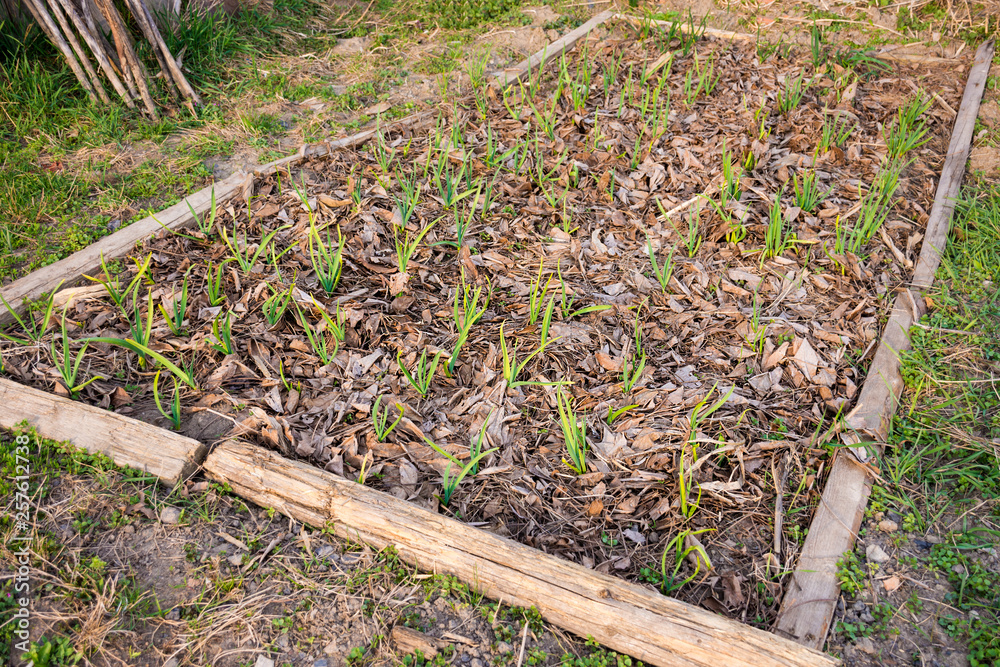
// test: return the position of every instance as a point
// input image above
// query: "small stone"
(325, 550)
(170, 516)
(891, 584)
(263, 661)
(867, 645)
(322, 662)
(476, 662)
(236, 560)
(504, 647)
(867, 617)
(876, 554)
(959, 569)
(888, 526)
(858, 606)
(173, 662)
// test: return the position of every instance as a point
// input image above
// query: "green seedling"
(464, 220)
(215, 283)
(450, 484)
(274, 306)
(32, 328)
(536, 296)
(632, 371)
(777, 239)
(422, 373)
(144, 352)
(568, 299)
(910, 130)
(466, 317)
(791, 94)
(512, 369)
(206, 224)
(287, 385)
(383, 154)
(547, 320)
(222, 329)
(406, 246)
(246, 259)
(807, 192)
(663, 273)
(476, 447)
(112, 286)
(327, 257)
(574, 431)
(381, 419)
(730, 190)
(676, 547)
(178, 309)
(174, 413)
(69, 368)
(836, 131)
(615, 413)
(407, 203)
(876, 205)
(318, 340)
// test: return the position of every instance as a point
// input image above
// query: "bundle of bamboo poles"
(66, 22)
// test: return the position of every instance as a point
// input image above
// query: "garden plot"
(613, 312)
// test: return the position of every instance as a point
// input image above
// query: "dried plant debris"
(600, 312)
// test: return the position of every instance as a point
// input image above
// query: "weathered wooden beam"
(812, 591)
(506, 77)
(627, 618)
(128, 442)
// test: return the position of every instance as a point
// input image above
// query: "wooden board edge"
(807, 608)
(506, 77)
(622, 616)
(169, 456)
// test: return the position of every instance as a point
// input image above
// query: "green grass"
(941, 459)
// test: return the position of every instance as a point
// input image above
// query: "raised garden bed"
(697, 394)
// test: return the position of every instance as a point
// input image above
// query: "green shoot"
(615, 413)
(465, 318)
(174, 414)
(318, 340)
(476, 447)
(547, 320)
(405, 246)
(112, 285)
(791, 94)
(512, 369)
(910, 130)
(327, 258)
(807, 192)
(876, 205)
(836, 131)
(677, 547)
(206, 224)
(777, 238)
(537, 295)
(422, 373)
(178, 309)
(274, 306)
(33, 329)
(69, 368)
(450, 484)
(223, 334)
(380, 420)
(663, 273)
(246, 259)
(215, 282)
(574, 434)
(632, 371)
(143, 352)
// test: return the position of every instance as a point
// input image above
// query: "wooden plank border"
(812, 591)
(624, 617)
(506, 77)
(128, 442)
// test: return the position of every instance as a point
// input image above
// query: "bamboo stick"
(153, 34)
(95, 81)
(87, 31)
(43, 19)
(127, 54)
